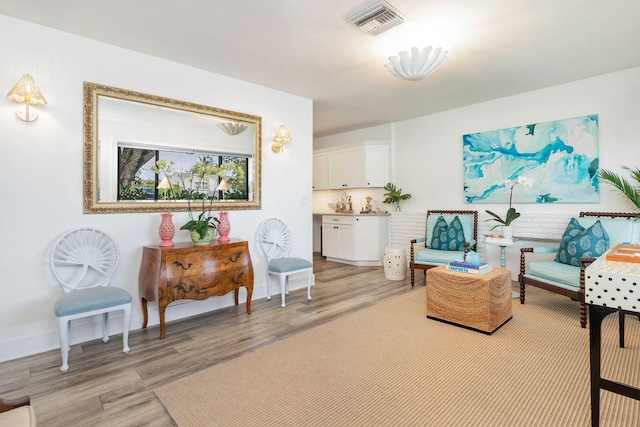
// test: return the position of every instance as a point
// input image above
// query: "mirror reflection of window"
(136, 180)
(126, 132)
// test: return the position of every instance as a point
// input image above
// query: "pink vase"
(224, 227)
(166, 230)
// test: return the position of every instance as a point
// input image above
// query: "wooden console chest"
(186, 271)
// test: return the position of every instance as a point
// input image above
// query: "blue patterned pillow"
(580, 243)
(447, 237)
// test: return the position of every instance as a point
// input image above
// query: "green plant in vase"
(394, 196)
(512, 213)
(204, 224)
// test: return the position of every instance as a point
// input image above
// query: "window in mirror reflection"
(187, 175)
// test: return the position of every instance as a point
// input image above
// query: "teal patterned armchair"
(449, 235)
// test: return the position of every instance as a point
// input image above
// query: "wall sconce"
(26, 90)
(281, 137)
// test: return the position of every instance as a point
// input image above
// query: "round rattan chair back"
(275, 238)
(84, 258)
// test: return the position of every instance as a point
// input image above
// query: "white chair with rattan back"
(275, 241)
(82, 261)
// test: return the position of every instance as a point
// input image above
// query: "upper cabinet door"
(360, 165)
(355, 167)
(377, 165)
(320, 171)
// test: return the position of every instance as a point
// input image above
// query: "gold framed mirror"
(134, 143)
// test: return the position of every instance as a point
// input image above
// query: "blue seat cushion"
(89, 299)
(435, 256)
(447, 237)
(285, 265)
(578, 242)
(555, 272)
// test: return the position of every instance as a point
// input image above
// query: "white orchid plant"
(512, 213)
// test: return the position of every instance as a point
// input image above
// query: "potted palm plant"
(394, 195)
(629, 189)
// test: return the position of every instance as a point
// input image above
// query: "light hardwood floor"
(105, 387)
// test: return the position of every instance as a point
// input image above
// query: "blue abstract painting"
(561, 157)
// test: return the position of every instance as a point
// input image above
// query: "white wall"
(428, 149)
(45, 158)
(382, 132)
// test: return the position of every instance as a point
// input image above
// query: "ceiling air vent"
(377, 18)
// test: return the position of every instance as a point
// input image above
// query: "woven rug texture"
(390, 365)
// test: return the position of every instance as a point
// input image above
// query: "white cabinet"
(355, 239)
(367, 235)
(376, 165)
(346, 167)
(320, 171)
(337, 238)
(352, 166)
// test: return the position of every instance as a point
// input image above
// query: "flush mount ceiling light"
(417, 64)
(232, 128)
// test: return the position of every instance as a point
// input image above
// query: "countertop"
(382, 213)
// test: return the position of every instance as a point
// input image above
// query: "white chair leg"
(309, 287)
(286, 284)
(63, 332)
(283, 285)
(68, 335)
(125, 330)
(105, 327)
(268, 286)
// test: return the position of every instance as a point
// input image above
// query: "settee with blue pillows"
(586, 238)
(449, 235)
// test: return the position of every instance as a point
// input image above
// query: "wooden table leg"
(161, 310)
(596, 314)
(249, 294)
(145, 313)
(621, 327)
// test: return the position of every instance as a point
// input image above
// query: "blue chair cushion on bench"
(89, 299)
(435, 256)
(563, 275)
(284, 265)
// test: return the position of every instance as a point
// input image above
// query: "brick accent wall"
(405, 226)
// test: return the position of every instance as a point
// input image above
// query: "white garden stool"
(395, 263)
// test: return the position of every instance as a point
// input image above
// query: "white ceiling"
(497, 47)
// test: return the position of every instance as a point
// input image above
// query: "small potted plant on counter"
(394, 196)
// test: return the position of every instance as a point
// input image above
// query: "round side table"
(395, 263)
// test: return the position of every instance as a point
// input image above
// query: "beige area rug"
(390, 365)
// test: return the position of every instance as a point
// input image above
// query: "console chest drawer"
(186, 271)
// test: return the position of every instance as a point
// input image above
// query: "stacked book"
(467, 267)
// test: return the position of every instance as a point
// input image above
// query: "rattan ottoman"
(480, 302)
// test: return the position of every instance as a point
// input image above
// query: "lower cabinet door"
(367, 244)
(337, 241)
